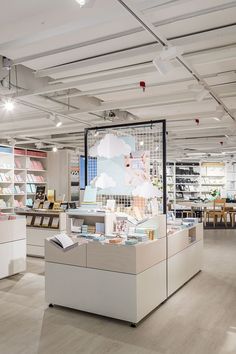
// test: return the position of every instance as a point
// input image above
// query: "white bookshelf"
(30, 170)
(213, 178)
(187, 181)
(170, 180)
(6, 178)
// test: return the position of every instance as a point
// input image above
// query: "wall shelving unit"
(198, 179)
(6, 178)
(30, 170)
(187, 180)
(20, 170)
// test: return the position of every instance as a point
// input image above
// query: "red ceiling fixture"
(197, 121)
(142, 84)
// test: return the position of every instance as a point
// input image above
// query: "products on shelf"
(18, 178)
(5, 165)
(18, 204)
(5, 177)
(34, 178)
(18, 163)
(34, 164)
(6, 190)
(29, 202)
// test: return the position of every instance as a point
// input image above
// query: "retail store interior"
(117, 177)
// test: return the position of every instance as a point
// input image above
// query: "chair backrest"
(220, 203)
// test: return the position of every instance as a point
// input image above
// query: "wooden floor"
(199, 319)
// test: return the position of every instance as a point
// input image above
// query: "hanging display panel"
(130, 166)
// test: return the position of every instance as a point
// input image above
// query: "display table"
(37, 230)
(125, 282)
(184, 256)
(12, 246)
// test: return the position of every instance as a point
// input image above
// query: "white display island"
(12, 246)
(122, 281)
(125, 282)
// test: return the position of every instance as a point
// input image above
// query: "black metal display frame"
(150, 123)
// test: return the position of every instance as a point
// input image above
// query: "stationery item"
(40, 193)
(99, 238)
(63, 241)
(90, 194)
(115, 240)
(46, 205)
(36, 204)
(55, 222)
(100, 228)
(37, 221)
(45, 222)
(51, 195)
(131, 242)
(29, 220)
(111, 204)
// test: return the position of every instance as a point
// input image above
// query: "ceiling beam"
(148, 26)
(109, 37)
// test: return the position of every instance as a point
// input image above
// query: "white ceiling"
(83, 62)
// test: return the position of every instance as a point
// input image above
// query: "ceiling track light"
(39, 145)
(56, 120)
(162, 61)
(11, 141)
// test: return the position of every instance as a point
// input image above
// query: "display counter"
(122, 281)
(184, 255)
(42, 224)
(12, 246)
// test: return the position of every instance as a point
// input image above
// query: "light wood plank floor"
(199, 319)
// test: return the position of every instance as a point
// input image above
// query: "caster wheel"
(133, 325)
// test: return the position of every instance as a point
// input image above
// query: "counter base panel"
(126, 297)
(183, 266)
(12, 258)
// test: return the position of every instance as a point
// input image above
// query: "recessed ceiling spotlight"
(54, 149)
(9, 105)
(141, 143)
(85, 3)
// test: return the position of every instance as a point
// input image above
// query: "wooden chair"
(219, 210)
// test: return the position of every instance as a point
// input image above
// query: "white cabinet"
(12, 247)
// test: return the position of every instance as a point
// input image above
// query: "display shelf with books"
(42, 223)
(231, 180)
(30, 171)
(187, 181)
(6, 178)
(213, 179)
(170, 179)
